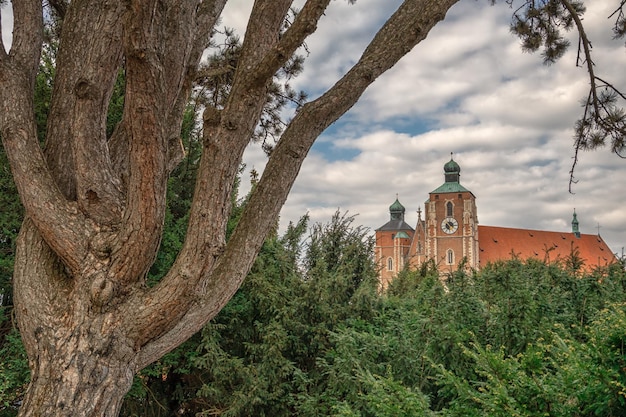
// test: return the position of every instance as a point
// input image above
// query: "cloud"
(6, 22)
(468, 89)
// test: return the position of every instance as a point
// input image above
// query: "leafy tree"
(554, 376)
(95, 194)
(259, 355)
(96, 205)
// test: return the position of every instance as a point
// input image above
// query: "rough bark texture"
(95, 205)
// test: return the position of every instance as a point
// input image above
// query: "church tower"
(451, 223)
(393, 241)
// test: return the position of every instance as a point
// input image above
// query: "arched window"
(449, 208)
(450, 257)
(389, 264)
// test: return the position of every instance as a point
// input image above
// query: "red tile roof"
(500, 243)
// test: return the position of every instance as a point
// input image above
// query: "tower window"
(450, 257)
(389, 264)
(449, 209)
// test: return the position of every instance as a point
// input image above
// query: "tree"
(95, 204)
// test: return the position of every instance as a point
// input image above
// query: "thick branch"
(145, 115)
(58, 220)
(201, 28)
(27, 33)
(409, 25)
(76, 146)
(262, 35)
(224, 145)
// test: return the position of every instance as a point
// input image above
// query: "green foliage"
(259, 355)
(116, 104)
(10, 221)
(14, 373)
(539, 25)
(555, 376)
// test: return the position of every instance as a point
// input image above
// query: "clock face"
(449, 225)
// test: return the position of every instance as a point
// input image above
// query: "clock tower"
(451, 223)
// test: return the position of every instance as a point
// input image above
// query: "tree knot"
(85, 90)
(102, 291)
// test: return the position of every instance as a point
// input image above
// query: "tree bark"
(95, 205)
(81, 362)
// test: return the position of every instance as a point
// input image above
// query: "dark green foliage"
(555, 376)
(10, 221)
(309, 335)
(14, 373)
(116, 104)
(260, 353)
(539, 25)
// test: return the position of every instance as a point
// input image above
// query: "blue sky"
(468, 89)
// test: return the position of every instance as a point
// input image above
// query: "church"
(449, 233)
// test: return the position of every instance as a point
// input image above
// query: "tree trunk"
(95, 206)
(72, 382)
(81, 363)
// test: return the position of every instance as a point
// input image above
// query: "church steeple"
(575, 225)
(452, 175)
(452, 170)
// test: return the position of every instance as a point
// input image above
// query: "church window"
(390, 264)
(449, 208)
(450, 257)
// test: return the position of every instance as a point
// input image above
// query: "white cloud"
(472, 91)
(468, 89)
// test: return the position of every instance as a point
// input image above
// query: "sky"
(467, 89)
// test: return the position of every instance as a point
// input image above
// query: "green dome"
(451, 167)
(396, 207)
(396, 210)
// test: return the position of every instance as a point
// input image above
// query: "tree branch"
(58, 221)
(304, 24)
(27, 33)
(584, 40)
(602, 117)
(89, 57)
(407, 27)
(145, 115)
(224, 145)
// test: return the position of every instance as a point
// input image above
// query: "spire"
(575, 225)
